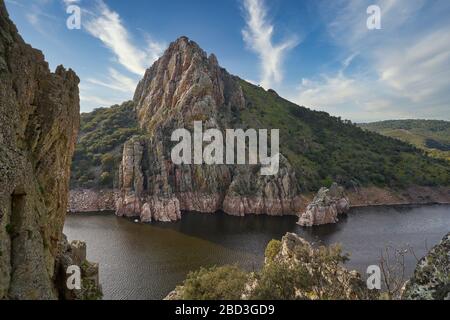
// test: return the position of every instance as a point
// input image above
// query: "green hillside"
(99, 150)
(432, 136)
(321, 148)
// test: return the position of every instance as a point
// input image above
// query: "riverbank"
(90, 200)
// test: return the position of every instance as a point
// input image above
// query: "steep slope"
(185, 85)
(39, 119)
(100, 144)
(432, 136)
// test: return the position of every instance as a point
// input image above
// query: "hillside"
(316, 148)
(321, 148)
(324, 149)
(100, 142)
(432, 136)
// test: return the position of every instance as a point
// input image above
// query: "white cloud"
(95, 101)
(406, 64)
(107, 26)
(116, 81)
(258, 36)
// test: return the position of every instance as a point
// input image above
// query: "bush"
(272, 249)
(216, 283)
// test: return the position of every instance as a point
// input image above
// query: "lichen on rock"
(431, 278)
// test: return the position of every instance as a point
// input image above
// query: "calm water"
(147, 261)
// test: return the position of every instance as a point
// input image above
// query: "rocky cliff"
(183, 86)
(39, 119)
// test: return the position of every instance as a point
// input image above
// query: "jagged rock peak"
(185, 84)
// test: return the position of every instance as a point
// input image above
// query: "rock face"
(183, 86)
(431, 279)
(326, 207)
(39, 119)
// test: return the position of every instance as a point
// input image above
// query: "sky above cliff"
(319, 54)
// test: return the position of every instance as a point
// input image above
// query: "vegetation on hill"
(323, 149)
(432, 136)
(99, 150)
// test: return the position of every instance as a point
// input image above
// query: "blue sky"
(315, 53)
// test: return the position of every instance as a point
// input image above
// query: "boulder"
(326, 207)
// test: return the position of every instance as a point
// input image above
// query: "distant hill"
(432, 136)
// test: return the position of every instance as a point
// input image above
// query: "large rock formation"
(39, 119)
(326, 207)
(183, 86)
(431, 279)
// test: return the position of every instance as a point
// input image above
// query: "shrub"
(216, 283)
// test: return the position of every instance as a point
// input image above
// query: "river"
(147, 261)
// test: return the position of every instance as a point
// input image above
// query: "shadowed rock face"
(39, 119)
(183, 86)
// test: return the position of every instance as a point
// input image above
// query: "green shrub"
(272, 249)
(216, 283)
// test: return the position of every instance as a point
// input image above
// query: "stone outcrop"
(183, 86)
(92, 200)
(74, 254)
(329, 279)
(326, 207)
(323, 275)
(431, 279)
(39, 120)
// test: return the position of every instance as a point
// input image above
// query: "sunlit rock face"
(326, 207)
(39, 120)
(183, 86)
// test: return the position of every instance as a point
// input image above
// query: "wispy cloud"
(116, 81)
(114, 86)
(406, 63)
(258, 35)
(107, 26)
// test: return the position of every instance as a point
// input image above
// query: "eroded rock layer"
(184, 86)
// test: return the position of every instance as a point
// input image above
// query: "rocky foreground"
(39, 119)
(294, 269)
(431, 279)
